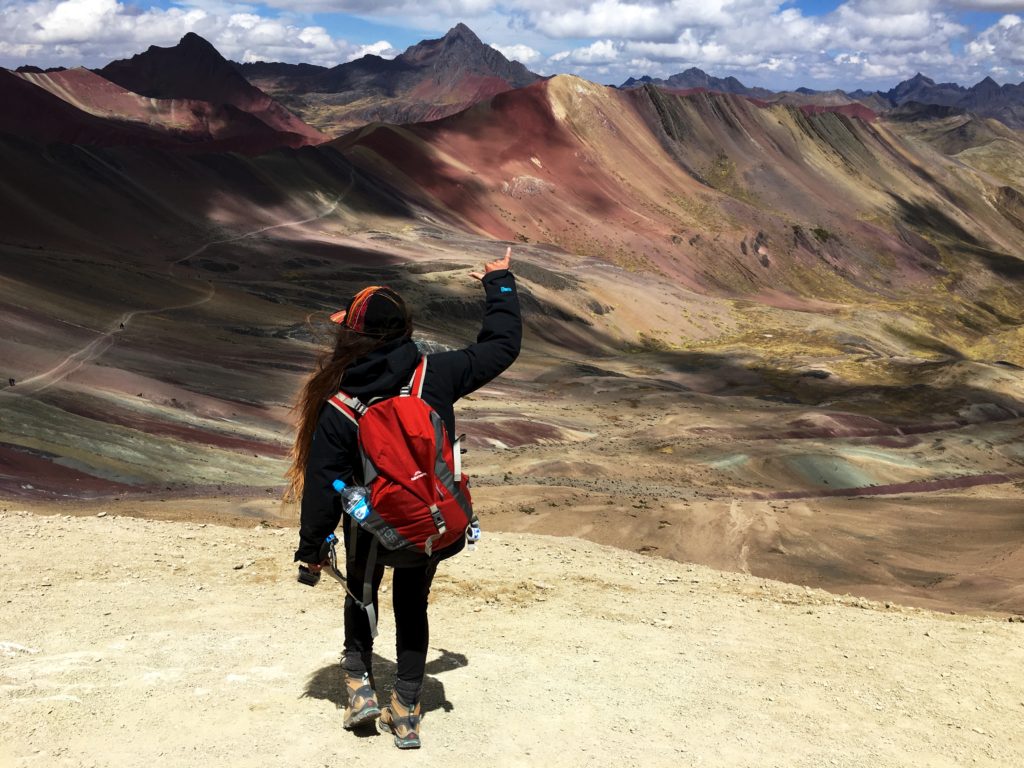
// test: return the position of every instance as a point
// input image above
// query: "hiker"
(374, 357)
(11, 382)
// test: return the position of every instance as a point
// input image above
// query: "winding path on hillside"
(75, 360)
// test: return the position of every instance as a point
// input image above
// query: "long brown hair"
(323, 383)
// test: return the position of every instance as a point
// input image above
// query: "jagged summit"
(429, 80)
(192, 69)
(460, 51)
(461, 30)
(193, 42)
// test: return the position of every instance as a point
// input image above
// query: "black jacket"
(334, 452)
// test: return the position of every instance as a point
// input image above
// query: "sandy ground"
(131, 642)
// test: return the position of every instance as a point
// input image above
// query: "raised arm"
(497, 345)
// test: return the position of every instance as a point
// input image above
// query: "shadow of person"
(328, 684)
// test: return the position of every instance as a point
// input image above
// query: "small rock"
(101, 514)
(240, 566)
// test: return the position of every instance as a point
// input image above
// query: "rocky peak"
(911, 90)
(192, 69)
(461, 32)
(988, 87)
(460, 51)
(193, 43)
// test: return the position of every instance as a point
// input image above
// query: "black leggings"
(409, 591)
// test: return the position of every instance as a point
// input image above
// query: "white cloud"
(598, 52)
(388, 8)
(1003, 41)
(93, 32)
(76, 20)
(381, 48)
(987, 5)
(768, 42)
(604, 17)
(861, 41)
(524, 54)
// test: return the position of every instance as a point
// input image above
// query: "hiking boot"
(403, 722)
(362, 701)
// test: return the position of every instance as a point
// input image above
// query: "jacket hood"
(382, 372)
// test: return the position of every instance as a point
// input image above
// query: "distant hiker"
(374, 357)
(10, 382)
(122, 326)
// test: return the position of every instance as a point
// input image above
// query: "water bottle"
(472, 535)
(353, 500)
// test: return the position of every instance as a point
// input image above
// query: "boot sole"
(362, 717)
(400, 742)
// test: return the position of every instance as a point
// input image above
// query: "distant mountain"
(698, 78)
(34, 114)
(568, 162)
(194, 69)
(985, 99)
(28, 68)
(263, 69)
(924, 90)
(128, 118)
(806, 97)
(432, 79)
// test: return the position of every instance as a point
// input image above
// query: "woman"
(374, 357)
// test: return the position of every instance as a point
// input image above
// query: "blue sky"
(816, 43)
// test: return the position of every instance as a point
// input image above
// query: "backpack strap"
(457, 458)
(415, 385)
(351, 407)
(367, 602)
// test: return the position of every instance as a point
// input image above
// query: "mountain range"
(984, 99)
(186, 97)
(188, 94)
(696, 78)
(757, 304)
(432, 79)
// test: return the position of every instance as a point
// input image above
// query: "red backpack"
(419, 498)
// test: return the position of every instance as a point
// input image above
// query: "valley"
(765, 337)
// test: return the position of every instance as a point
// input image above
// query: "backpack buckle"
(438, 518)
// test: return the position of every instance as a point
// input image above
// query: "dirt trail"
(75, 360)
(128, 642)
